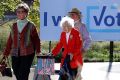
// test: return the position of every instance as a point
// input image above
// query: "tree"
(34, 14)
(7, 5)
(10, 5)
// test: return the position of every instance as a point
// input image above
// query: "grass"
(4, 32)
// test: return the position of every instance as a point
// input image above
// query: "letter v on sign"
(98, 21)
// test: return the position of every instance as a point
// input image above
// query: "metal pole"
(111, 51)
(110, 58)
(49, 46)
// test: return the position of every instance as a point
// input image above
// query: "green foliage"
(34, 14)
(10, 5)
(7, 5)
(4, 32)
(98, 52)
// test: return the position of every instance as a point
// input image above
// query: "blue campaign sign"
(102, 18)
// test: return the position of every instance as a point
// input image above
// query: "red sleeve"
(8, 46)
(78, 44)
(35, 40)
(58, 47)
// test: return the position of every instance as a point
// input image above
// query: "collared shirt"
(84, 33)
(67, 36)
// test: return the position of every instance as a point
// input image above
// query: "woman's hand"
(38, 54)
(50, 54)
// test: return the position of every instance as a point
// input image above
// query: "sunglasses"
(21, 11)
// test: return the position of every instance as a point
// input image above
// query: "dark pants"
(66, 77)
(21, 66)
(66, 72)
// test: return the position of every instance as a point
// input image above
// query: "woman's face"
(21, 14)
(66, 27)
(74, 16)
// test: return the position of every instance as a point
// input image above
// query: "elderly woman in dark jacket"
(22, 43)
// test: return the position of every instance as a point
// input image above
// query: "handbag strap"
(3, 60)
(6, 60)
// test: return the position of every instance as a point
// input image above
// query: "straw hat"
(75, 10)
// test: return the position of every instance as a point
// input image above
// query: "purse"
(7, 72)
(4, 69)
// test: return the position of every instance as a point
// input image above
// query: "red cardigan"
(26, 48)
(73, 46)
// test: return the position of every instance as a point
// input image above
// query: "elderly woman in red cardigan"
(22, 43)
(71, 41)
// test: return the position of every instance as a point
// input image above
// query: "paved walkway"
(91, 71)
(101, 71)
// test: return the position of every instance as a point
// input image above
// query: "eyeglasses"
(21, 11)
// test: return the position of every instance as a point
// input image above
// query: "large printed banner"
(102, 18)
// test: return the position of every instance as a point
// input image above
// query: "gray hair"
(67, 20)
(23, 6)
